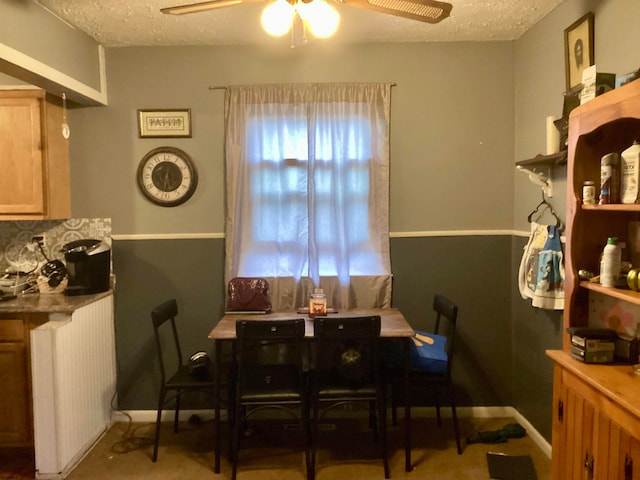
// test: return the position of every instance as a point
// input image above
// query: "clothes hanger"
(544, 203)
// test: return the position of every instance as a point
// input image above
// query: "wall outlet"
(40, 238)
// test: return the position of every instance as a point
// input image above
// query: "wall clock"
(167, 176)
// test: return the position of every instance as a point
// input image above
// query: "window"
(307, 186)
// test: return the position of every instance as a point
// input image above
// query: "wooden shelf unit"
(596, 424)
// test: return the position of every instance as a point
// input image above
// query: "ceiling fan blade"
(203, 6)
(429, 11)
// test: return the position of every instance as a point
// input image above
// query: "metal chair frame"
(181, 381)
(438, 383)
(277, 381)
(352, 336)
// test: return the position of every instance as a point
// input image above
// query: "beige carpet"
(271, 452)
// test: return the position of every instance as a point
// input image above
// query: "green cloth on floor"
(510, 430)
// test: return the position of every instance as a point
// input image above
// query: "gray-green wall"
(540, 82)
(462, 115)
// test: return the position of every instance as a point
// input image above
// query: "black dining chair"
(271, 373)
(346, 370)
(184, 378)
(431, 363)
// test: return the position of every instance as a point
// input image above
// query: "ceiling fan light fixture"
(322, 19)
(277, 18)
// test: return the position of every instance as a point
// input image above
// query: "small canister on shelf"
(589, 192)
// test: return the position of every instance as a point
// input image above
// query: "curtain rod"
(224, 87)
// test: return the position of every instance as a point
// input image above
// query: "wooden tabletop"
(393, 323)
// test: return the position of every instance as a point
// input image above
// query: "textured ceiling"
(116, 23)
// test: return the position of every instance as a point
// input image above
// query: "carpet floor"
(271, 452)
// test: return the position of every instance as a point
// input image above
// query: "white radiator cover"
(73, 363)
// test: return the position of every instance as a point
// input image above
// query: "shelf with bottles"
(614, 207)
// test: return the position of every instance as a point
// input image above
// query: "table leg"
(216, 406)
(407, 406)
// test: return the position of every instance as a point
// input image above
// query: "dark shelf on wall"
(553, 160)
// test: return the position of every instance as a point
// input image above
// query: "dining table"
(393, 325)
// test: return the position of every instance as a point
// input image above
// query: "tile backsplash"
(15, 236)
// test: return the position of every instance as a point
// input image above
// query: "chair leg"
(158, 424)
(177, 414)
(373, 419)
(437, 401)
(238, 420)
(383, 433)
(306, 431)
(394, 411)
(454, 418)
(313, 428)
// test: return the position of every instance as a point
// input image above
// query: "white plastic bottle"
(610, 264)
(630, 174)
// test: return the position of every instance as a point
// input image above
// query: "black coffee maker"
(88, 266)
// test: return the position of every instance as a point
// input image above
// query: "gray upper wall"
(540, 81)
(463, 114)
(39, 48)
(451, 129)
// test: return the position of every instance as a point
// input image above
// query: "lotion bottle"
(630, 175)
(610, 264)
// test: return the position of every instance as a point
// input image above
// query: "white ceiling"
(118, 23)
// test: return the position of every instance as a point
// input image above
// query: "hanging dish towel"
(549, 290)
(528, 273)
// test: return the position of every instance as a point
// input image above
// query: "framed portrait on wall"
(578, 50)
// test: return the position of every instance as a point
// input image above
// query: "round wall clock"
(167, 176)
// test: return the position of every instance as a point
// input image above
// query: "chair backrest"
(446, 319)
(264, 344)
(347, 350)
(166, 312)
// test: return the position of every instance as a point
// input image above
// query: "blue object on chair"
(429, 357)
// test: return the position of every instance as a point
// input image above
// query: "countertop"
(49, 303)
(619, 383)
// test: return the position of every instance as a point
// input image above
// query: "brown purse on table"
(248, 294)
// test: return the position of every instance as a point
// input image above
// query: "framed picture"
(578, 50)
(164, 123)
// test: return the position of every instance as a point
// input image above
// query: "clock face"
(167, 176)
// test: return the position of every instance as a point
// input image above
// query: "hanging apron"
(549, 289)
(528, 272)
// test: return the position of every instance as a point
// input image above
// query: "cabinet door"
(631, 460)
(623, 455)
(612, 443)
(580, 416)
(559, 430)
(15, 424)
(21, 160)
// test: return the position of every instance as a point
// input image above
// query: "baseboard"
(146, 416)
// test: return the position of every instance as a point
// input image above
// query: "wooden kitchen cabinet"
(596, 423)
(16, 424)
(34, 157)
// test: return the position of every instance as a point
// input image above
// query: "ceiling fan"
(429, 11)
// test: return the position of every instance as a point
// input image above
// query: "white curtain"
(307, 191)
